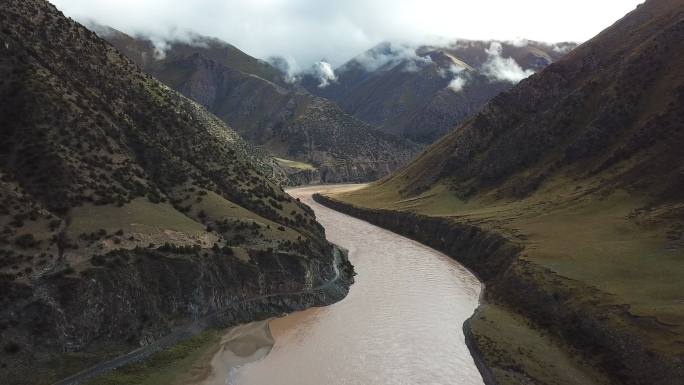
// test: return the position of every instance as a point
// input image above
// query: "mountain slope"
(581, 168)
(252, 97)
(127, 208)
(420, 93)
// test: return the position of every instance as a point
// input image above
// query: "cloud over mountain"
(309, 30)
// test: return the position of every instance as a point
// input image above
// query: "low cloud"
(339, 29)
(325, 73)
(519, 42)
(288, 67)
(563, 48)
(502, 68)
(161, 42)
(390, 55)
(457, 84)
(459, 77)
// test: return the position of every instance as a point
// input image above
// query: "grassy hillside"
(127, 209)
(581, 166)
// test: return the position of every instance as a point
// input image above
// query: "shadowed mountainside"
(581, 168)
(128, 209)
(326, 144)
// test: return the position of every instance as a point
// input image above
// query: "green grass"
(179, 364)
(140, 215)
(61, 366)
(219, 208)
(577, 234)
(295, 164)
(512, 347)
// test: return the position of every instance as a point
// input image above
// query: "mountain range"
(312, 138)
(359, 126)
(421, 92)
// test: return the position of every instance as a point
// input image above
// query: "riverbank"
(242, 344)
(534, 324)
(400, 323)
(149, 364)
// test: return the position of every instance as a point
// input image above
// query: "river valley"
(400, 324)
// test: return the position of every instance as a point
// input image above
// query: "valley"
(412, 322)
(564, 195)
(435, 210)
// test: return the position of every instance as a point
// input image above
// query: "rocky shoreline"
(155, 301)
(580, 319)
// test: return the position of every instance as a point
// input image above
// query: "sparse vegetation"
(113, 186)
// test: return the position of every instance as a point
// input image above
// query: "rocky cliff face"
(128, 209)
(422, 92)
(284, 119)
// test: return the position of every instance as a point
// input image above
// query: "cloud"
(502, 68)
(457, 84)
(161, 42)
(287, 65)
(325, 73)
(518, 42)
(562, 48)
(459, 77)
(388, 55)
(308, 30)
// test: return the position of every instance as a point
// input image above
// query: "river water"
(400, 324)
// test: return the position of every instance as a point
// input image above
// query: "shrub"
(26, 241)
(12, 348)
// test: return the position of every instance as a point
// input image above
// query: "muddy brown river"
(400, 324)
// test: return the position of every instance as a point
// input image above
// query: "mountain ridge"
(420, 92)
(280, 117)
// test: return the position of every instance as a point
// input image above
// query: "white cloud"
(457, 84)
(459, 77)
(287, 65)
(308, 30)
(325, 73)
(389, 55)
(498, 67)
(562, 48)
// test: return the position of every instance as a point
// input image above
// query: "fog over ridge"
(306, 32)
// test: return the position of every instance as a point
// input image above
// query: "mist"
(306, 32)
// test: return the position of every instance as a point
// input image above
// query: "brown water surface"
(400, 324)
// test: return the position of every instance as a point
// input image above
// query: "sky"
(308, 31)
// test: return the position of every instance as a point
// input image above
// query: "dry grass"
(513, 344)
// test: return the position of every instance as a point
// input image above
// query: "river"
(400, 324)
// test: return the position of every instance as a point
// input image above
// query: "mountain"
(128, 210)
(565, 195)
(421, 92)
(313, 138)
